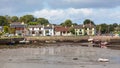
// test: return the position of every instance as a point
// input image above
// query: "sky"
(57, 11)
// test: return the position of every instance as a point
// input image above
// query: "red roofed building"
(62, 31)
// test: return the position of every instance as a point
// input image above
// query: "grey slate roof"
(18, 25)
(35, 26)
(78, 27)
(89, 26)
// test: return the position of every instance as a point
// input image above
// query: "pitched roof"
(35, 26)
(78, 26)
(48, 27)
(17, 24)
(89, 26)
(61, 28)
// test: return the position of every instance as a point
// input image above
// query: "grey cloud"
(84, 3)
(18, 6)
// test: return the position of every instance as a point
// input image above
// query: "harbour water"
(63, 56)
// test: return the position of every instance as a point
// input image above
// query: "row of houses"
(51, 30)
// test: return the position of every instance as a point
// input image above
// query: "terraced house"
(90, 29)
(79, 30)
(48, 30)
(62, 31)
(87, 29)
(35, 30)
(19, 28)
(51, 30)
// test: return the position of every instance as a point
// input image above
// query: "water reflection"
(59, 50)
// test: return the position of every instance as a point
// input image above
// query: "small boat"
(24, 41)
(90, 39)
(103, 60)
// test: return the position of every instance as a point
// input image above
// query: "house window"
(68, 32)
(80, 30)
(85, 28)
(63, 32)
(33, 32)
(47, 32)
(90, 28)
(40, 32)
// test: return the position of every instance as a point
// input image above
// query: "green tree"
(6, 29)
(14, 19)
(115, 24)
(8, 18)
(111, 28)
(104, 28)
(42, 21)
(67, 23)
(27, 18)
(75, 24)
(33, 23)
(72, 30)
(88, 21)
(3, 21)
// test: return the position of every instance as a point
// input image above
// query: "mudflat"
(60, 56)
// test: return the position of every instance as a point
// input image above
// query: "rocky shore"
(114, 42)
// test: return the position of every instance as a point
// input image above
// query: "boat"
(24, 41)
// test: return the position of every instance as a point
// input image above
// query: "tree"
(72, 30)
(67, 23)
(14, 19)
(27, 18)
(75, 24)
(8, 18)
(6, 29)
(33, 23)
(104, 28)
(111, 28)
(42, 21)
(3, 21)
(88, 21)
(115, 24)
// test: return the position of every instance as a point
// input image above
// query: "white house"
(90, 29)
(48, 30)
(35, 30)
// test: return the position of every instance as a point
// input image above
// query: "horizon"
(56, 12)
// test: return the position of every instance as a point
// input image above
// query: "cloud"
(60, 15)
(19, 6)
(79, 15)
(84, 3)
(100, 11)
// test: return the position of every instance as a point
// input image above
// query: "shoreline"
(114, 42)
(57, 44)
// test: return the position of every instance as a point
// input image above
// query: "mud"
(59, 55)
